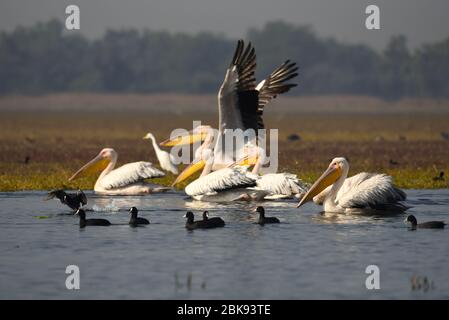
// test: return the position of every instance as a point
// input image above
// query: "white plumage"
(281, 185)
(128, 174)
(362, 192)
(125, 180)
(368, 190)
(220, 180)
(166, 160)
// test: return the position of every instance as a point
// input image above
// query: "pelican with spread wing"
(125, 180)
(240, 106)
(364, 192)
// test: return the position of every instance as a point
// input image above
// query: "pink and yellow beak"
(248, 160)
(327, 178)
(190, 138)
(94, 166)
(190, 170)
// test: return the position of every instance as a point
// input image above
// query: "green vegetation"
(41, 150)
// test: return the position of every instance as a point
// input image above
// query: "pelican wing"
(130, 173)
(275, 84)
(285, 184)
(237, 97)
(369, 190)
(224, 179)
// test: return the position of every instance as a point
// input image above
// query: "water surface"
(308, 255)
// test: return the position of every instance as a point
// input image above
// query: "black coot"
(214, 222)
(73, 200)
(191, 224)
(90, 222)
(135, 220)
(262, 219)
(425, 225)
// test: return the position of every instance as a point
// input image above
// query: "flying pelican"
(125, 180)
(166, 160)
(364, 191)
(240, 105)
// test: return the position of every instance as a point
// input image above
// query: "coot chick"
(90, 222)
(216, 221)
(191, 224)
(135, 220)
(262, 219)
(73, 200)
(425, 225)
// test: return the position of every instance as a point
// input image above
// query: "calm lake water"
(308, 255)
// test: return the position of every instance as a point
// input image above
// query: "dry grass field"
(43, 140)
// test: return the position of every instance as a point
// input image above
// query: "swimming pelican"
(166, 160)
(240, 105)
(364, 191)
(279, 185)
(125, 180)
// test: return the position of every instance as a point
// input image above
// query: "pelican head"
(97, 164)
(338, 168)
(204, 156)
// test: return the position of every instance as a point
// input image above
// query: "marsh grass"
(40, 150)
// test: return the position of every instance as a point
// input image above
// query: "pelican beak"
(248, 160)
(327, 178)
(192, 168)
(190, 138)
(95, 165)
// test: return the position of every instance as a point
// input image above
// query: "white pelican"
(278, 185)
(166, 160)
(125, 180)
(362, 192)
(240, 105)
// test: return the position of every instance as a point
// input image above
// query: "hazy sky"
(421, 21)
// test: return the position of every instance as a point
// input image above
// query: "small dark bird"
(262, 219)
(440, 177)
(73, 201)
(191, 224)
(293, 137)
(425, 225)
(445, 135)
(393, 162)
(135, 220)
(217, 221)
(27, 160)
(90, 222)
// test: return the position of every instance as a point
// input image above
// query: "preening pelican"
(364, 191)
(278, 185)
(125, 180)
(166, 160)
(227, 184)
(240, 105)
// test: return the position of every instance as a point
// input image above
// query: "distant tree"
(46, 58)
(396, 68)
(431, 64)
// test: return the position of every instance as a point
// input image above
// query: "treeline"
(46, 58)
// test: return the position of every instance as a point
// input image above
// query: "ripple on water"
(308, 255)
